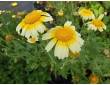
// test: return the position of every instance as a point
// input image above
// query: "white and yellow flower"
(66, 39)
(85, 13)
(33, 23)
(97, 24)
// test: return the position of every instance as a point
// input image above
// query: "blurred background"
(16, 6)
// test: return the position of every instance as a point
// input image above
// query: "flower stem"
(51, 57)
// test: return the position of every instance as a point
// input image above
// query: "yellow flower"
(85, 13)
(14, 4)
(60, 13)
(33, 23)
(13, 16)
(97, 24)
(66, 39)
(94, 79)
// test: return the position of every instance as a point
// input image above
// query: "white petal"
(28, 34)
(61, 51)
(101, 16)
(75, 47)
(23, 32)
(41, 28)
(34, 32)
(72, 27)
(67, 23)
(93, 17)
(47, 17)
(104, 27)
(18, 28)
(47, 36)
(100, 29)
(50, 45)
(81, 41)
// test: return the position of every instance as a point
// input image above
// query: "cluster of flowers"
(65, 38)
(93, 23)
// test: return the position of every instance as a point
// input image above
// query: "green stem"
(51, 57)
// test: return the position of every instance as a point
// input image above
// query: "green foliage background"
(22, 62)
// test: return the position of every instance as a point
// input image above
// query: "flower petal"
(41, 28)
(47, 36)
(61, 51)
(27, 34)
(67, 23)
(75, 47)
(50, 45)
(18, 28)
(101, 16)
(23, 32)
(46, 17)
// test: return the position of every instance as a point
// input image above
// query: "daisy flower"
(65, 39)
(97, 24)
(85, 13)
(32, 24)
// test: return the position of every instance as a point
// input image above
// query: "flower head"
(33, 23)
(97, 24)
(60, 13)
(86, 14)
(94, 79)
(66, 39)
(14, 4)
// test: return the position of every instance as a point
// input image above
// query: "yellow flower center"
(97, 23)
(85, 12)
(64, 34)
(32, 17)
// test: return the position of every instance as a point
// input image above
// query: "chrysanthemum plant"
(72, 46)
